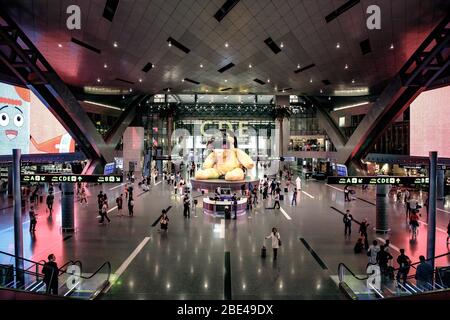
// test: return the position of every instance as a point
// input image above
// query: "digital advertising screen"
(27, 124)
(430, 123)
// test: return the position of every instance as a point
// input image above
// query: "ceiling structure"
(141, 30)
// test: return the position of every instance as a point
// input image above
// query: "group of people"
(380, 254)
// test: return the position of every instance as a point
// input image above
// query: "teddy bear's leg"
(235, 175)
(205, 174)
(209, 161)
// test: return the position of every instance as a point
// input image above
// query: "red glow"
(430, 123)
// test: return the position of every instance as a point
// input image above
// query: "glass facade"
(255, 137)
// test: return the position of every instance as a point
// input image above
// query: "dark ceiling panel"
(225, 9)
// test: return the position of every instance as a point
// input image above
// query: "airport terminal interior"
(224, 149)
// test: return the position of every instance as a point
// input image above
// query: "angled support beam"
(112, 137)
(332, 130)
(412, 80)
(37, 74)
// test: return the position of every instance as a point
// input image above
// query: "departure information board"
(71, 178)
(378, 180)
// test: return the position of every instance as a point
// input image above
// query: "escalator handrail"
(352, 273)
(21, 258)
(71, 262)
(107, 263)
(81, 276)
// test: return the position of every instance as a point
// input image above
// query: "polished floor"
(210, 258)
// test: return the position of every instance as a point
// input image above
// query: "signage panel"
(71, 178)
(377, 180)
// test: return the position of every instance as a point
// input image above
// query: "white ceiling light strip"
(101, 105)
(351, 106)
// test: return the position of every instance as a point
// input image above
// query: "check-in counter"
(217, 208)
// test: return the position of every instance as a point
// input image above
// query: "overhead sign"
(377, 180)
(71, 178)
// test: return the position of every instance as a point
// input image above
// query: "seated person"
(359, 246)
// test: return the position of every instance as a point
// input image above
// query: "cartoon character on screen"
(14, 119)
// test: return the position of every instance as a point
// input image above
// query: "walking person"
(51, 273)
(408, 207)
(100, 202)
(83, 195)
(414, 223)
(277, 201)
(104, 212)
(186, 206)
(33, 220)
(404, 265)
(383, 258)
(294, 197)
(347, 220)
(49, 202)
(372, 252)
(119, 202)
(164, 221)
(276, 241)
(346, 194)
(363, 232)
(424, 275)
(130, 206)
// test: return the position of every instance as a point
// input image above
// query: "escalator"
(371, 285)
(27, 282)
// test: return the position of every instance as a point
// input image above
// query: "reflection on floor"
(189, 261)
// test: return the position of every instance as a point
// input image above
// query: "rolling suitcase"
(263, 252)
(281, 197)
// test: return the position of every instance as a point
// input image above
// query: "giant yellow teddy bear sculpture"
(225, 162)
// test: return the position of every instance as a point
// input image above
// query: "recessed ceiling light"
(99, 80)
(140, 80)
(131, 90)
(268, 80)
(338, 45)
(115, 44)
(298, 66)
(283, 90)
(123, 97)
(226, 80)
(250, 65)
(392, 46)
(105, 66)
(281, 45)
(168, 90)
(321, 91)
(310, 80)
(226, 44)
(353, 80)
(201, 65)
(329, 98)
(206, 90)
(346, 66)
(182, 80)
(60, 45)
(170, 44)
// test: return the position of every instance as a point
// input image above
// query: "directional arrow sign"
(71, 178)
(378, 180)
